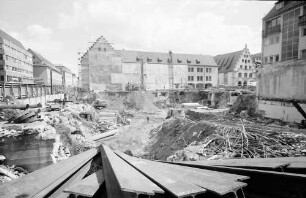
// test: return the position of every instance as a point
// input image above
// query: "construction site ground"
(141, 129)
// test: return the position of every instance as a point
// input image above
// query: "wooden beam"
(41, 182)
(122, 180)
(88, 186)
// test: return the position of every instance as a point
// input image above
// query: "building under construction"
(102, 68)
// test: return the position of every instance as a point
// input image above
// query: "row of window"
(245, 61)
(199, 78)
(245, 67)
(271, 40)
(245, 75)
(15, 60)
(15, 51)
(191, 69)
(271, 59)
(15, 79)
(7, 67)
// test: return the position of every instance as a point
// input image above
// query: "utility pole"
(170, 68)
(141, 73)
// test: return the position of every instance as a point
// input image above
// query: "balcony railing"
(272, 30)
(302, 20)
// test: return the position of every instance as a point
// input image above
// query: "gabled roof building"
(44, 71)
(236, 68)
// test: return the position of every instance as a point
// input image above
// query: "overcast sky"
(59, 29)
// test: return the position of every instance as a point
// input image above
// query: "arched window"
(239, 83)
(250, 75)
(245, 75)
(239, 74)
(245, 83)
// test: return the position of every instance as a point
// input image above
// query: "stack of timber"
(125, 176)
(26, 116)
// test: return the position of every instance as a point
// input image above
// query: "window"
(208, 70)
(190, 69)
(303, 54)
(248, 61)
(225, 79)
(265, 60)
(276, 58)
(239, 74)
(199, 78)
(271, 59)
(1, 57)
(239, 83)
(208, 78)
(245, 75)
(304, 32)
(250, 75)
(250, 67)
(190, 78)
(199, 69)
(290, 35)
(245, 83)
(245, 61)
(242, 60)
(245, 67)
(1, 78)
(240, 66)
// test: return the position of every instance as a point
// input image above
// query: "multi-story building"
(15, 61)
(284, 32)
(44, 71)
(67, 75)
(236, 68)
(104, 68)
(282, 79)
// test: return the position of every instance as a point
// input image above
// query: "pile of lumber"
(27, 116)
(125, 176)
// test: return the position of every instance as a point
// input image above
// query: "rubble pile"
(8, 173)
(183, 139)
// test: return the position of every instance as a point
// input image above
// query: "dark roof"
(162, 58)
(44, 60)
(288, 5)
(8, 37)
(227, 62)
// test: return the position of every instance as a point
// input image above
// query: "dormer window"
(188, 61)
(159, 60)
(279, 5)
(149, 60)
(197, 61)
(179, 61)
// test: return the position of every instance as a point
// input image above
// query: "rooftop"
(11, 39)
(227, 62)
(287, 6)
(162, 58)
(45, 62)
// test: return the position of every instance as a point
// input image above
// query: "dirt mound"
(141, 101)
(245, 102)
(176, 134)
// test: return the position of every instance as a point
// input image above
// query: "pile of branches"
(232, 141)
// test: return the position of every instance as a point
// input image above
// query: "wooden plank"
(217, 182)
(122, 180)
(39, 183)
(263, 183)
(88, 186)
(78, 176)
(168, 179)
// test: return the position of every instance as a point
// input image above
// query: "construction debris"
(217, 138)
